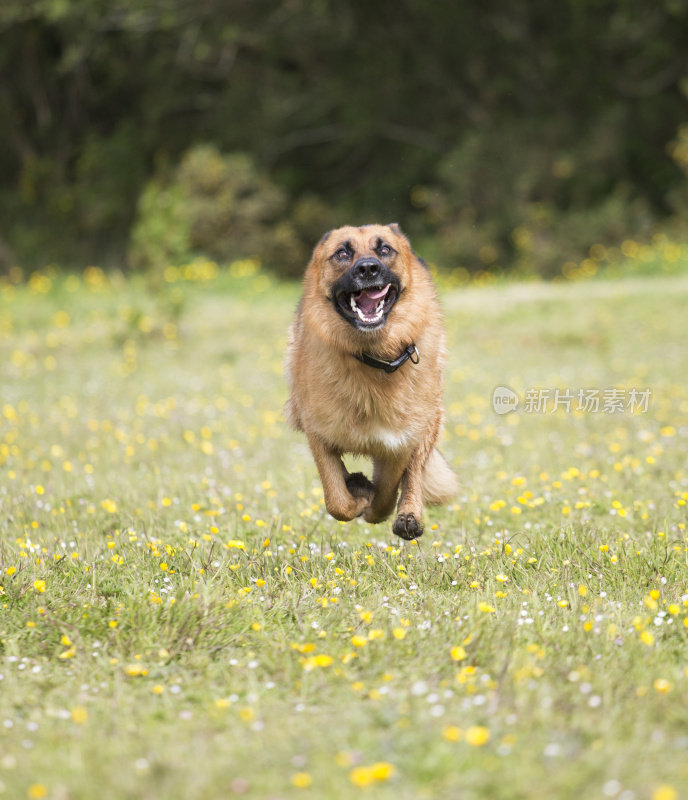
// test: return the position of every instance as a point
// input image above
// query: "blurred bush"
(529, 207)
(678, 196)
(223, 207)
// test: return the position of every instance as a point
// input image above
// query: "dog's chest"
(388, 439)
(370, 424)
(370, 437)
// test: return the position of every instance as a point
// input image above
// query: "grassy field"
(179, 617)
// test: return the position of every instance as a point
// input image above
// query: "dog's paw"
(406, 526)
(374, 517)
(359, 486)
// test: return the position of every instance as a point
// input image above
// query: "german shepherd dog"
(365, 364)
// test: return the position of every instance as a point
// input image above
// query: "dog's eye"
(385, 250)
(342, 254)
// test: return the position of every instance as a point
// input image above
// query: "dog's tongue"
(367, 300)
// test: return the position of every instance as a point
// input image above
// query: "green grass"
(180, 618)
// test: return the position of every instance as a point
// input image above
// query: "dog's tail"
(440, 484)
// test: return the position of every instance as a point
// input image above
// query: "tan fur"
(345, 406)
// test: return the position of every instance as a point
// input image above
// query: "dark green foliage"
(466, 123)
(530, 205)
(224, 208)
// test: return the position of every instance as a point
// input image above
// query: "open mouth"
(369, 307)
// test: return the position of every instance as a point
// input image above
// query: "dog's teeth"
(373, 318)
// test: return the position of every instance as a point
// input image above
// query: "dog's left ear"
(394, 227)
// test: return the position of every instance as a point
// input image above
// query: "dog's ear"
(394, 227)
(322, 241)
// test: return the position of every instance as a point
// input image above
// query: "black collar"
(411, 352)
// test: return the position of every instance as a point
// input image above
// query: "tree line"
(501, 135)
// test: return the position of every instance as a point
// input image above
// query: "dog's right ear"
(394, 227)
(322, 241)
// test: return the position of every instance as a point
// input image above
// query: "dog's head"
(363, 272)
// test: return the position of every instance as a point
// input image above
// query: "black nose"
(366, 269)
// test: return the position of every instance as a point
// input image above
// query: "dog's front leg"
(387, 474)
(346, 495)
(409, 521)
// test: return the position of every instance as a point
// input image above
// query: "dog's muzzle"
(366, 293)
